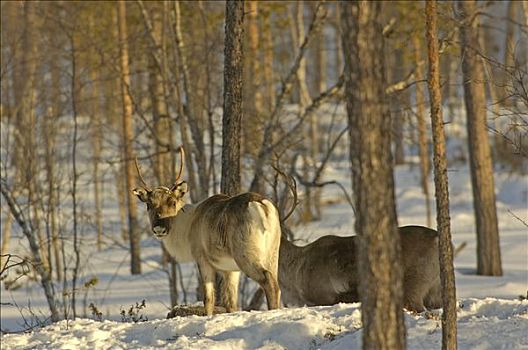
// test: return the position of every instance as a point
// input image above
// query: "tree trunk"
(488, 249)
(298, 34)
(97, 139)
(509, 55)
(422, 129)
(128, 136)
(201, 191)
(398, 118)
(253, 111)
(319, 87)
(231, 121)
(447, 273)
(267, 49)
(380, 288)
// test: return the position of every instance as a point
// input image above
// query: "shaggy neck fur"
(177, 241)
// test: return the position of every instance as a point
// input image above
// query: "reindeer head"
(163, 203)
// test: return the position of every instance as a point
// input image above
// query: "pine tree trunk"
(488, 249)
(253, 101)
(267, 49)
(398, 118)
(97, 139)
(422, 129)
(509, 55)
(380, 288)
(128, 136)
(447, 273)
(232, 118)
(50, 139)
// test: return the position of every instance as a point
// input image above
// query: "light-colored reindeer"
(221, 233)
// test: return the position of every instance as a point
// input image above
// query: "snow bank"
(483, 324)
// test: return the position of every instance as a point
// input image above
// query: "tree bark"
(447, 273)
(253, 125)
(128, 136)
(488, 249)
(97, 136)
(200, 192)
(232, 118)
(509, 54)
(376, 224)
(422, 129)
(267, 49)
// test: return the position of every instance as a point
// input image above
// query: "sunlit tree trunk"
(128, 136)
(422, 129)
(488, 249)
(376, 224)
(447, 271)
(232, 118)
(96, 141)
(252, 126)
(267, 48)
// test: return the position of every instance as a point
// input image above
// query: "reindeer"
(221, 233)
(324, 272)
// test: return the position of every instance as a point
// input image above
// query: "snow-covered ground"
(482, 324)
(491, 315)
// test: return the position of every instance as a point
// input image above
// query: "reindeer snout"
(159, 231)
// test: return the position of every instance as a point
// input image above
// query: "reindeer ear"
(180, 189)
(141, 193)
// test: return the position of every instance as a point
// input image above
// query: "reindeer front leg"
(208, 279)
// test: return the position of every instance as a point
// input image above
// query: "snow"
(482, 324)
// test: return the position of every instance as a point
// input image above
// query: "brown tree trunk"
(509, 55)
(447, 273)
(488, 249)
(96, 144)
(422, 129)
(253, 101)
(398, 118)
(232, 118)
(267, 49)
(380, 288)
(55, 111)
(128, 136)
(298, 34)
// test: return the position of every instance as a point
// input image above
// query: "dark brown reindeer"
(221, 233)
(324, 272)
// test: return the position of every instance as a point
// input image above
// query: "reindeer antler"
(182, 160)
(292, 185)
(139, 174)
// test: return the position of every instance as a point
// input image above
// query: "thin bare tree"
(422, 129)
(447, 273)
(128, 136)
